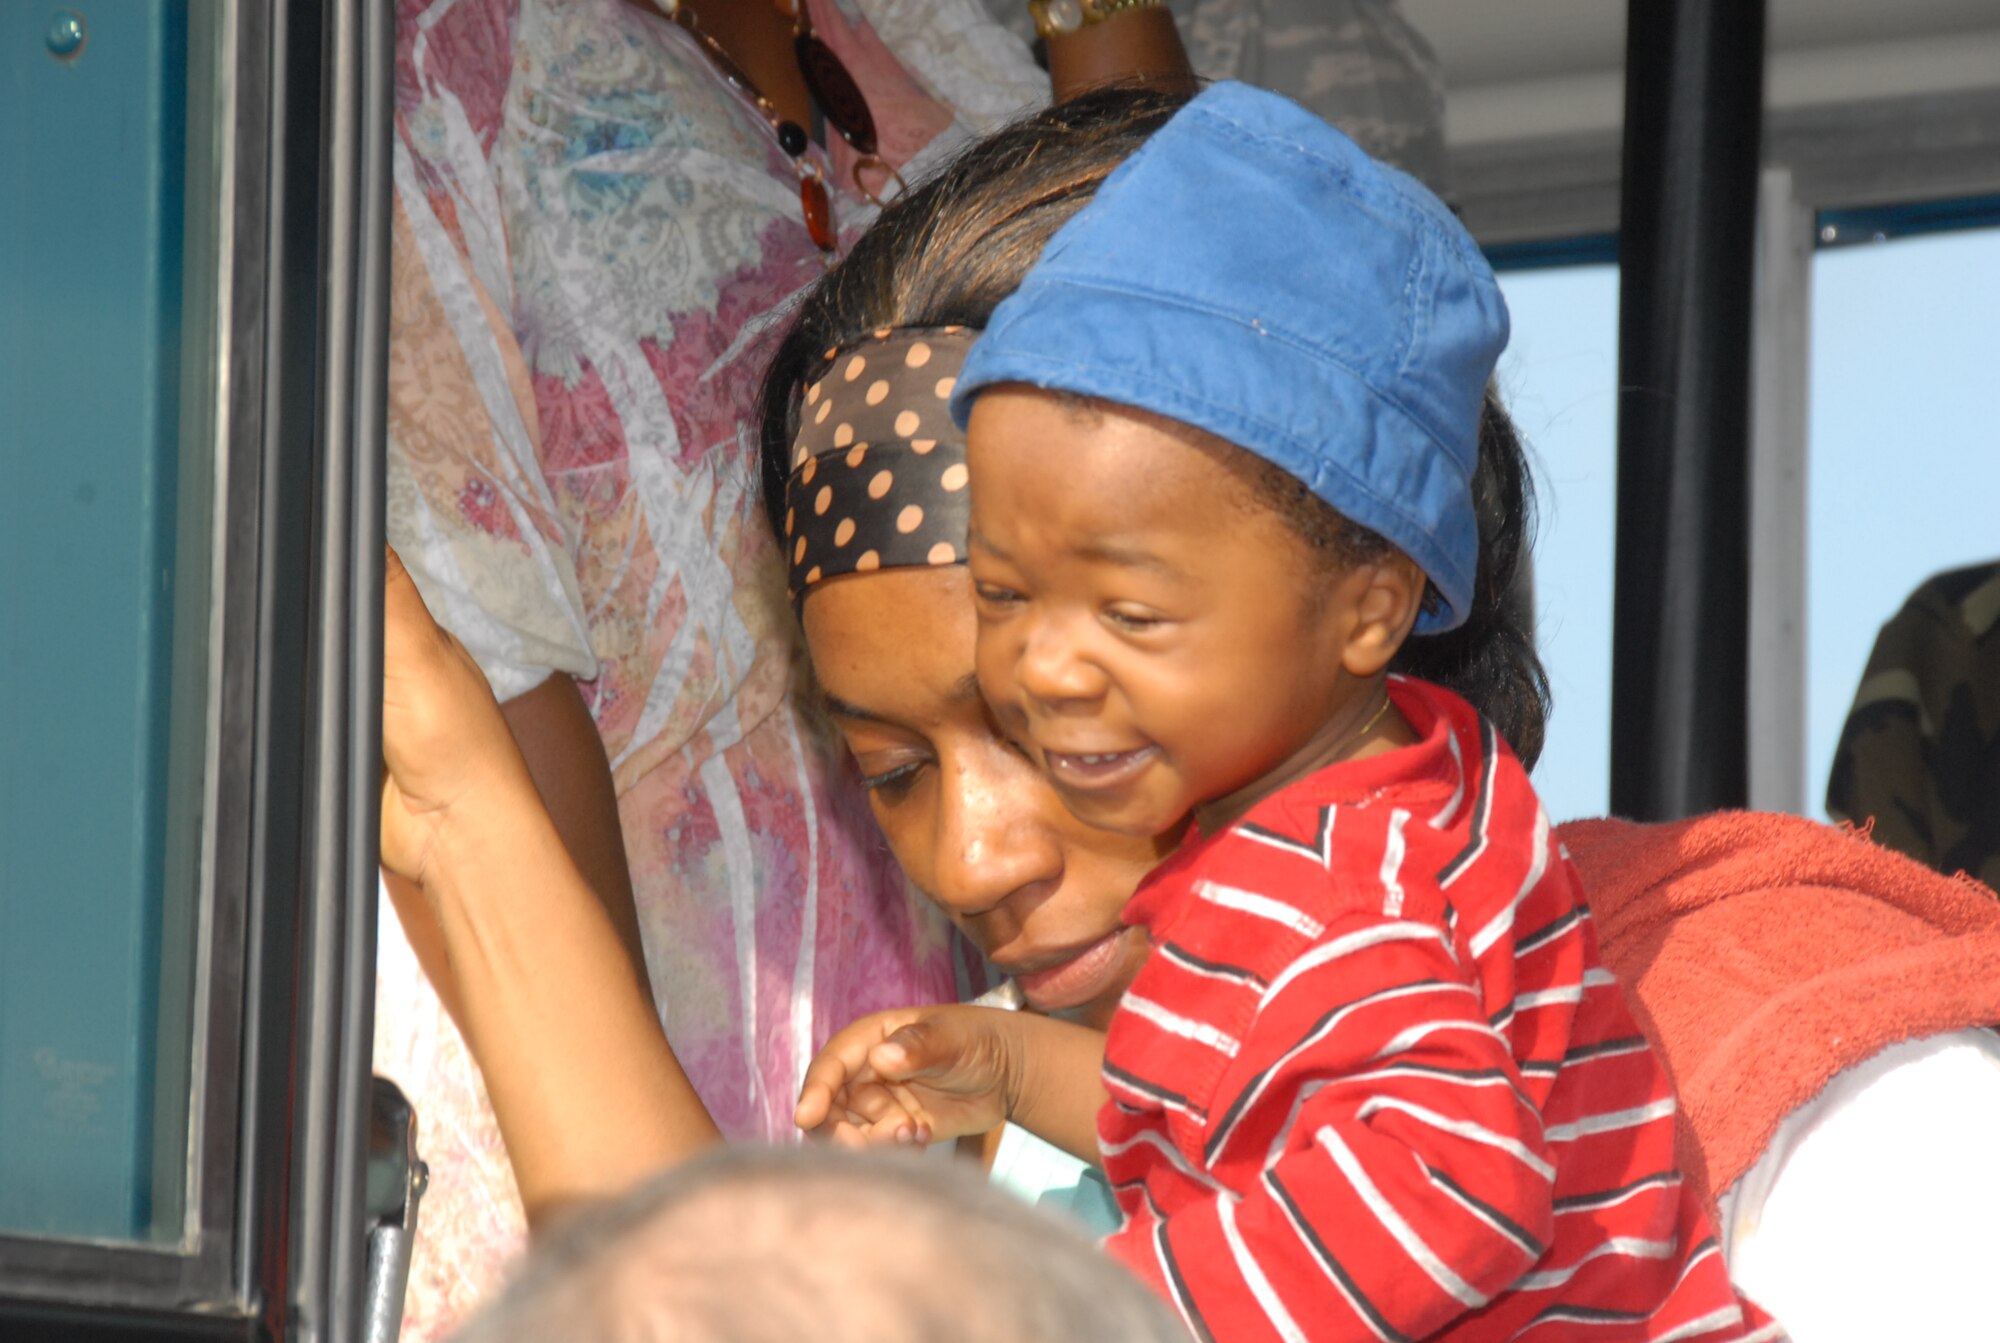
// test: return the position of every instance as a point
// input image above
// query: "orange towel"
(1766, 953)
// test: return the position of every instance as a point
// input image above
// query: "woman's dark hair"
(950, 250)
(947, 252)
(1490, 659)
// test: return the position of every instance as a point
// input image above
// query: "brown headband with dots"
(878, 468)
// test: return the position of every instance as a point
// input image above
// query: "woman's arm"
(1139, 46)
(589, 1096)
(566, 758)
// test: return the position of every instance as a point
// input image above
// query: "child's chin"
(1121, 815)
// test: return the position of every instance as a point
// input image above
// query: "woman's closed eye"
(893, 781)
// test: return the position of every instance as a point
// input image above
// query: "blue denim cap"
(1251, 272)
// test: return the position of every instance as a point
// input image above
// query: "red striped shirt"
(1375, 1083)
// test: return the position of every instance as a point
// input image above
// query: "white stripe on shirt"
(1260, 1287)
(1610, 1122)
(1259, 906)
(1187, 1028)
(1392, 1221)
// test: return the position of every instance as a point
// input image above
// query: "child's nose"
(1054, 669)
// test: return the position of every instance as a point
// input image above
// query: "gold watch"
(1055, 18)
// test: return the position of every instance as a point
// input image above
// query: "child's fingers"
(843, 1061)
(873, 1103)
(843, 1134)
(935, 1048)
(898, 1130)
(815, 1103)
(826, 1081)
(826, 1077)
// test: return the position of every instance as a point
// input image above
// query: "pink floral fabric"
(594, 241)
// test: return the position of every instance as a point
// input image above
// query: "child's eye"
(1133, 621)
(992, 594)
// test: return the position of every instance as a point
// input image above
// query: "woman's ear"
(1388, 595)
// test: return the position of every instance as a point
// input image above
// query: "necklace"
(833, 92)
(1373, 719)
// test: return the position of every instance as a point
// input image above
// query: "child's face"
(1155, 636)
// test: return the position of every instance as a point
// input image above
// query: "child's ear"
(1390, 597)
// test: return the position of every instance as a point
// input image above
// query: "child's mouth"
(1099, 769)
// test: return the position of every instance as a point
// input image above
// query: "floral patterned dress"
(595, 241)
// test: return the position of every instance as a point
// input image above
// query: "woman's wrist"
(1133, 46)
(588, 1093)
(499, 805)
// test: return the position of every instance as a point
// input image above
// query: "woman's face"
(972, 823)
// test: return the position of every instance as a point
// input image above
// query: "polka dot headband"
(878, 468)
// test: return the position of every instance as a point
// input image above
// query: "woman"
(590, 1096)
(597, 205)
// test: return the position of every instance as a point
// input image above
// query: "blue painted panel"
(91, 209)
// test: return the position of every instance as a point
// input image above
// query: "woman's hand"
(445, 748)
(589, 1096)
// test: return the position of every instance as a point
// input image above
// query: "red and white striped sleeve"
(1392, 1173)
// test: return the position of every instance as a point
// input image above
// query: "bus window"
(1559, 377)
(107, 373)
(193, 315)
(1904, 463)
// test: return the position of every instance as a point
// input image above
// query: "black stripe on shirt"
(1549, 932)
(1201, 965)
(1584, 1315)
(1319, 848)
(1178, 1283)
(1489, 761)
(1140, 1184)
(1507, 1226)
(1606, 1197)
(1144, 1088)
(1454, 1075)
(1303, 1225)
(1220, 1133)
(1630, 1044)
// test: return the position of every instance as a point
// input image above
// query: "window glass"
(1904, 471)
(1559, 377)
(108, 238)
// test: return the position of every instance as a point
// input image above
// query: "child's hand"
(916, 1075)
(445, 747)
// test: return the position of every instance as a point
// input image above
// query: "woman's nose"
(990, 843)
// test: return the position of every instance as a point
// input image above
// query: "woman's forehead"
(897, 643)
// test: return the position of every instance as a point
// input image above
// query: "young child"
(1373, 1082)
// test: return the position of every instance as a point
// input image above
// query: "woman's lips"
(1087, 975)
(1098, 769)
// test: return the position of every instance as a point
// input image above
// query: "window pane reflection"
(108, 236)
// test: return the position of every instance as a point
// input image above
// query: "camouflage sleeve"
(1920, 752)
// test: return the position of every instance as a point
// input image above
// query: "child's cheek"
(996, 649)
